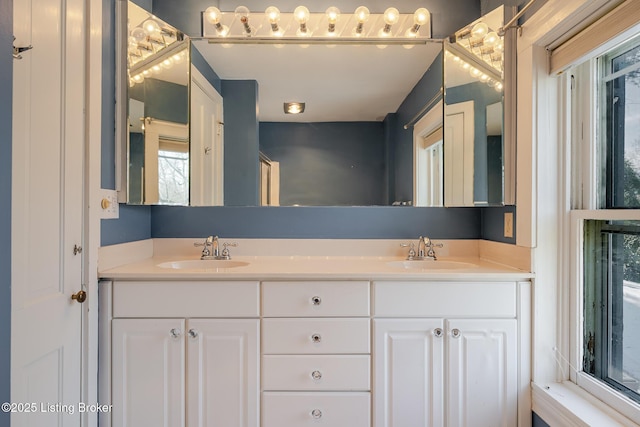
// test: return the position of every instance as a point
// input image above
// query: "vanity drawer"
(186, 299)
(352, 409)
(315, 299)
(315, 336)
(322, 373)
(437, 299)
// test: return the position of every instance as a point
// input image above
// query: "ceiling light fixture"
(294, 107)
(362, 15)
(333, 14)
(301, 14)
(242, 13)
(213, 16)
(273, 15)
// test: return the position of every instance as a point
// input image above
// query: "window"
(606, 104)
(173, 177)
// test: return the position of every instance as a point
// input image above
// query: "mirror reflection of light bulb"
(156, 69)
(138, 34)
(479, 30)
(491, 39)
(167, 63)
(498, 87)
(138, 78)
(465, 65)
(151, 27)
(484, 77)
(475, 72)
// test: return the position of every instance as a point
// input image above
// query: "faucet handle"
(412, 250)
(225, 252)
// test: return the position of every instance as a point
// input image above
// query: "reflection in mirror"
(158, 94)
(473, 117)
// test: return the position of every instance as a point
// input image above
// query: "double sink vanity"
(314, 332)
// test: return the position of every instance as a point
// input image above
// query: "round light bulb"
(421, 16)
(499, 47)
(138, 78)
(213, 15)
(362, 14)
(156, 69)
(151, 26)
(391, 16)
(242, 12)
(138, 34)
(178, 58)
(480, 30)
(146, 73)
(484, 77)
(498, 87)
(167, 63)
(301, 14)
(273, 14)
(333, 14)
(465, 65)
(491, 39)
(475, 72)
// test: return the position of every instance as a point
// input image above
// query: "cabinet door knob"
(316, 414)
(316, 300)
(175, 333)
(438, 332)
(316, 338)
(316, 375)
(455, 333)
(193, 333)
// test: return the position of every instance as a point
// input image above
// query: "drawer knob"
(316, 375)
(438, 332)
(316, 414)
(316, 300)
(175, 333)
(455, 333)
(316, 338)
(193, 333)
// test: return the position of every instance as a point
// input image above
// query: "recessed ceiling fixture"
(293, 107)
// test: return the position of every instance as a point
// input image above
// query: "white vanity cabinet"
(187, 356)
(316, 354)
(446, 354)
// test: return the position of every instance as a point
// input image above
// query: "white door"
(47, 210)
(408, 377)
(207, 143)
(223, 372)
(482, 373)
(148, 372)
(459, 154)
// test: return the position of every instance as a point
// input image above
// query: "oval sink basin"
(206, 264)
(432, 265)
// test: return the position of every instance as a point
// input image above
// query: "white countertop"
(316, 267)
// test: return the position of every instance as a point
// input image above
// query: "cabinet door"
(408, 360)
(148, 365)
(222, 374)
(482, 372)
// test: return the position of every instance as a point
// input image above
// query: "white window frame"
(582, 126)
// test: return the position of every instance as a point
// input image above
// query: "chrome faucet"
(214, 252)
(425, 250)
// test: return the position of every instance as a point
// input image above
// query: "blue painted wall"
(166, 101)
(241, 136)
(381, 222)
(6, 76)
(203, 66)
(327, 164)
(538, 422)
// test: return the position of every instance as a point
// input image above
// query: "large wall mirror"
(352, 146)
(475, 130)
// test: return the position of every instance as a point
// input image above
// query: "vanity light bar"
(305, 27)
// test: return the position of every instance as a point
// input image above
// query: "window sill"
(566, 404)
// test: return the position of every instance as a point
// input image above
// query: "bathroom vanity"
(306, 340)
